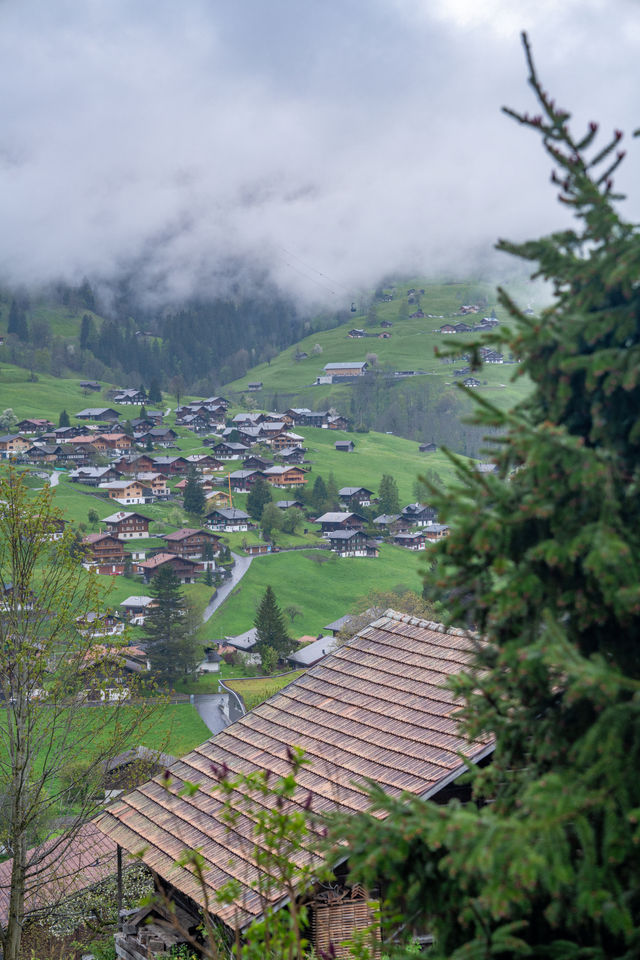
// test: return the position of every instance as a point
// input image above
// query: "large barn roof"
(374, 709)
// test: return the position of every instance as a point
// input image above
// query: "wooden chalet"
(335, 520)
(286, 440)
(410, 541)
(131, 396)
(352, 543)
(90, 385)
(256, 462)
(390, 522)
(35, 425)
(428, 447)
(94, 476)
(192, 543)
(103, 553)
(376, 709)
(171, 466)
(153, 483)
(338, 423)
(436, 531)
(124, 491)
(134, 465)
(185, 569)
(12, 445)
(118, 442)
(228, 518)
(98, 413)
(345, 446)
(160, 436)
(228, 450)
(205, 463)
(242, 480)
(355, 497)
(419, 514)
(285, 476)
(127, 525)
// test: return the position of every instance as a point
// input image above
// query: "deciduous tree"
(48, 662)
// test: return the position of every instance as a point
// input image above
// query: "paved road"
(213, 709)
(241, 567)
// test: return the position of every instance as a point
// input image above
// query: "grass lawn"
(410, 347)
(374, 455)
(319, 583)
(255, 690)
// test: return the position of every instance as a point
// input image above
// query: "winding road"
(238, 572)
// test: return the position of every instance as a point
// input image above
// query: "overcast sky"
(328, 141)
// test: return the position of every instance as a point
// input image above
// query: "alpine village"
(319, 628)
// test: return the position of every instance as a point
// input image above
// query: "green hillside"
(411, 346)
(322, 585)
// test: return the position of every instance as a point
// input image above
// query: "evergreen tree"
(155, 394)
(17, 323)
(143, 412)
(194, 498)
(86, 295)
(319, 494)
(165, 627)
(259, 496)
(388, 495)
(544, 559)
(333, 497)
(87, 332)
(271, 627)
(63, 419)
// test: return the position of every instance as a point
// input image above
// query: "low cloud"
(324, 144)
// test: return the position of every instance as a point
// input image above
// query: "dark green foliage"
(143, 412)
(154, 395)
(544, 560)
(271, 627)
(271, 520)
(319, 494)
(87, 332)
(194, 498)
(259, 496)
(165, 628)
(63, 419)
(388, 495)
(17, 323)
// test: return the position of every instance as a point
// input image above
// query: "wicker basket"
(336, 915)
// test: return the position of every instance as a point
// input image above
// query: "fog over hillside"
(323, 142)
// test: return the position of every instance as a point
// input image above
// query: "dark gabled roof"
(229, 513)
(377, 708)
(346, 534)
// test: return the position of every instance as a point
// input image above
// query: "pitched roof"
(64, 866)
(375, 708)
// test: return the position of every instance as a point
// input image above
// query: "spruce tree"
(87, 332)
(544, 560)
(155, 395)
(388, 495)
(259, 496)
(194, 498)
(63, 419)
(165, 627)
(271, 627)
(319, 494)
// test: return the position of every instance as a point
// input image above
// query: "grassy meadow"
(320, 584)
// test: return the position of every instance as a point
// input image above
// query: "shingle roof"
(376, 708)
(61, 868)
